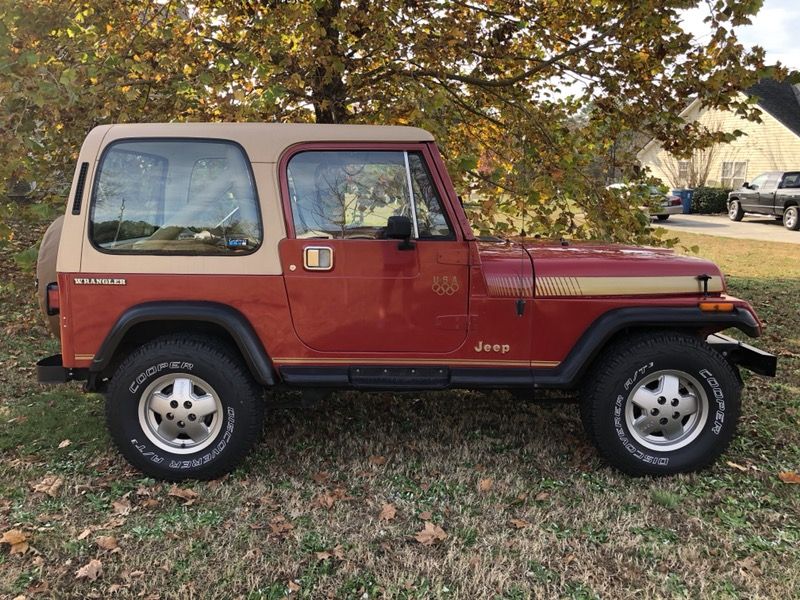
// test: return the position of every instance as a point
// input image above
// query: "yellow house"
(772, 145)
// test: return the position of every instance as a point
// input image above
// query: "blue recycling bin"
(686, 199)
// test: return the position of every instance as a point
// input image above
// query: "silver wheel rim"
(180, 413)
(790, 217)
(666, 411)
(733, 210)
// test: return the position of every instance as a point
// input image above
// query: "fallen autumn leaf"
(91, 570)
(388, 512)
(18, 540)
(430, 534)
(49, 485)
(789, 477)
(188, 496)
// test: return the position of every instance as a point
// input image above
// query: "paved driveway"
(752, 227)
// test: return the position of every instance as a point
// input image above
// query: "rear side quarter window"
(182, 197)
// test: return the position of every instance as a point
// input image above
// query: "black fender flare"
(568, 374)
(230, 319)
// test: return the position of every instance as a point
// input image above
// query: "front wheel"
(735, 212)
(184, 408)
(660, 404)
(662, 217)
(791, 219)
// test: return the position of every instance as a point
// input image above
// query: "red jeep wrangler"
(200, 263)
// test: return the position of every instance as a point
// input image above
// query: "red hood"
(587, 268)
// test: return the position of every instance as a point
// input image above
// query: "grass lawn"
(526, 506)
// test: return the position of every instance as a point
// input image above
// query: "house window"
(733, 174)
(683, 172)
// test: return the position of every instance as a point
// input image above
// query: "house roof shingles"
(780, 99)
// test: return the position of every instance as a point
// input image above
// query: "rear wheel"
(735, 212)
(791, 218)
(660, 404)
(662, 217)
(181, 408)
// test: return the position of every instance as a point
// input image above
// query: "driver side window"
(758, 182)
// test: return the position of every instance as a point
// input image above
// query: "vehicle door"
(766, 194)
(352, 290)
(749, 196)
(788, 191)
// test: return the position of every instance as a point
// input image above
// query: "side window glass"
(175, 197)
(431, 219)
(347, 194)
(758, 182)
(791, 180)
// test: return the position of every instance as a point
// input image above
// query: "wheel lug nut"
(192, 416)
(187, 404)
(676, 415)
(675, 402)
(170, 416)
(662, 420)
(662, 400)
(182, 424)
(174, 404)
(654, 411)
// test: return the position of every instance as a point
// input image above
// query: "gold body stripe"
(623, 286)
(84, 356)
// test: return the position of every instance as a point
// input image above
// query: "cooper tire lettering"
(639, 361)
(240, 408)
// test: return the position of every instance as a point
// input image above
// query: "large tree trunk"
(329, 91)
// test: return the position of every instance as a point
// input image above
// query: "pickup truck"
(775, 193)
(198, 264)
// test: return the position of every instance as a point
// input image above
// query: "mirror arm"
(406, 244)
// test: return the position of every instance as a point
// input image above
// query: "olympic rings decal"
(445, 285)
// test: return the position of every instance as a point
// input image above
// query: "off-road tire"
(735, 212)
(791, 218)
(624, 368)
(238, 398)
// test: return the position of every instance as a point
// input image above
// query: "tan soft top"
(265, 142)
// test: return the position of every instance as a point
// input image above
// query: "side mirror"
(746, 185)
(400, 228)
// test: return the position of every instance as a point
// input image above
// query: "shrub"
(708, 200)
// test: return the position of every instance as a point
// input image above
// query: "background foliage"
(493, 80)
(709, 201)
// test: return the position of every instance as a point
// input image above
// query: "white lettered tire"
(661, 403)
(184, 408)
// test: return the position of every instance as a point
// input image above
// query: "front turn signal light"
(724, 307)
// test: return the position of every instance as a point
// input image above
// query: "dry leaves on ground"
(519, 523)
(484, 485)
(17, 540)
(91, 570)
(425, 516)
(736, 466)
(121, 507)
(64, 443)
(328, 499)
(388, 512)
(49, 485)
(188, 496)
(108, 543)
(789, 476)
(337, 553)
(280, 526)
(377, 460)
(430, 534)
